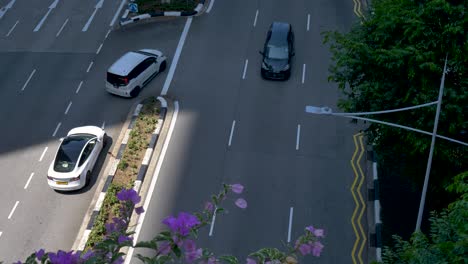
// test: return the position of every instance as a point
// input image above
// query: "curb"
(125, 20)
(376, 236)
(113, 168)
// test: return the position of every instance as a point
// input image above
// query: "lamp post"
(328, 111)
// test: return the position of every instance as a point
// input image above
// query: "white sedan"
(75, 158)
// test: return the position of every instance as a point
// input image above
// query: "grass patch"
(146, 6)
(127, 169)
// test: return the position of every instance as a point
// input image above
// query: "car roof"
(127, 63)
(279, 33)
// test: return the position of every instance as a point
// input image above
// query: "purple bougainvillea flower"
(319, 232)
(251, 261)
(305, 249)
(164, 248)
(189, 245)
(18, 262)
(182, 224)
(120, 260)
(241, 203)
(129, 195)
(179, 242)
(237, 188)
(62, 257)
(317, 248)
(139, 210)
(212, 260)
(123, 239)
(191, 256)
(87, 255)
(209, 207)
(310, 228)
(39, 254)
(110, 228)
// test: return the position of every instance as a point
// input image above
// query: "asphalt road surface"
(284, 157)
(53, 60)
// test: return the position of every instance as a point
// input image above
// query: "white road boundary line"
(245, 68)
(172, 69)
(79, 87)
(68, 107)
(117, 14)
(232, 132)
(56, 129)
(60, 31)
(303, 72)
(255, 20)
(291, 210)
(298, 136)
(27, 81)
(29, 180)
(141, 219)
(213, 222)
(210, 6)
(308, 21)
(13, 210)
(43, 153)
(9, 32)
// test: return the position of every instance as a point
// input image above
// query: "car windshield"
(69, 152)
(276, 53)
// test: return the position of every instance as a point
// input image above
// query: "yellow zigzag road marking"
(357, 8)
(363, 208)
(358, 238)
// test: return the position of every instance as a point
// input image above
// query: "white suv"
(129, 74)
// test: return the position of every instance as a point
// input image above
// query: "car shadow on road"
(98, 168)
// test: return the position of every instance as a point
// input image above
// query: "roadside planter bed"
(128, 168)
(149, 6)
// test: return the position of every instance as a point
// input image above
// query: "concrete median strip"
(147, 161)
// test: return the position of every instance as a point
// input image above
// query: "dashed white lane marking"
(291, 210)
(213, 222)
(27, 81)
(43, 153)
(29, 180)
(12, 28)
(52, 6)
(308, 21)
(68, 107)
(245, 68)
(108, 32)
(303, 72)
(79, 87)
(232, 132)
(60, 30)
(13, 210)
(298, 136)
(117, 14)
(99, 49)
(1, 233)
(56, 129)
(170, 75)
(210, 6)
(96, 8)
(90, 65)
(255, 20)
(141, 219)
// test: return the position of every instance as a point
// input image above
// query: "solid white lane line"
(29, 78)
(13, 210)
(232, 132)
(255, 20)
(96, 8)
(79, 86)
(43, 153)
(52, 6)
(103, 125)
(210, 6)
(68, 107)
(9, 32)
(308, 21)
(108, 32)
(141, 219)
(291, 210)
(117, 14)
(60, 30)
(29, 180)
(213, 222)
(90, 65)
(99, 49)
(170, 75)
(298, 136)
(245, 68)
(56, 129)
(303, 72)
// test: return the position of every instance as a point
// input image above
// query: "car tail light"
(125, 80)
(75, 179)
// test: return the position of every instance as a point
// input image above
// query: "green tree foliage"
(448, 239)
(395, 59)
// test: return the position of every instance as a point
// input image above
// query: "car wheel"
(88, 178)
(135, 91)
(104, 140)
(162, 67)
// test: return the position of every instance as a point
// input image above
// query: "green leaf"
(229, 259)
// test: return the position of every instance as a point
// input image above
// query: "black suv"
(278, 51)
